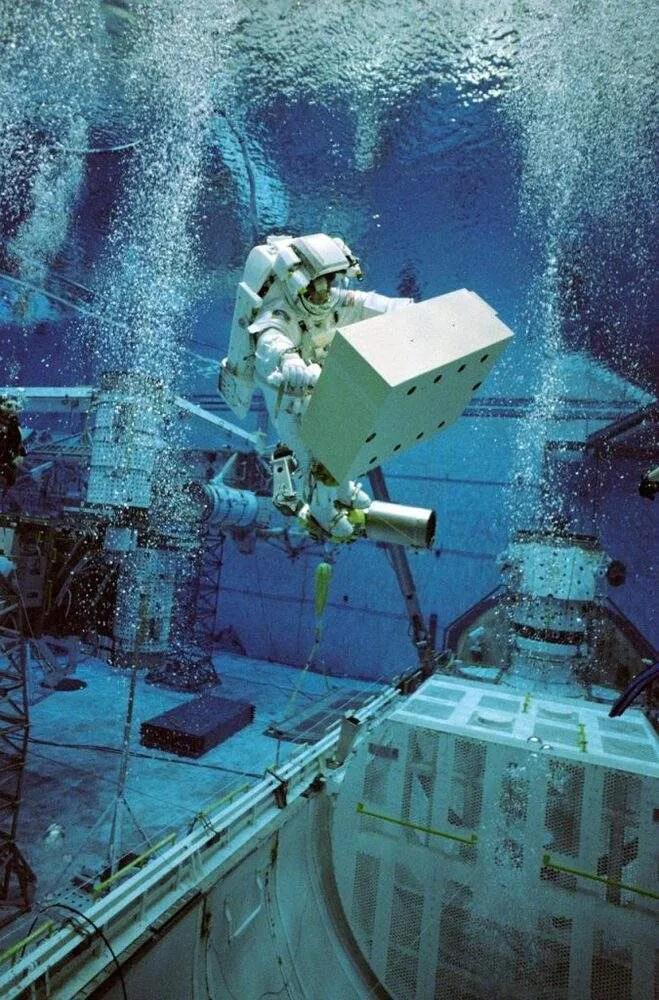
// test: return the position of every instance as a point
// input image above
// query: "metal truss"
(209, 584)
(17, 880)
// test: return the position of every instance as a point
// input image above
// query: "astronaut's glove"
(295, 374)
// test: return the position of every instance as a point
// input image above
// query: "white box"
(396, 380)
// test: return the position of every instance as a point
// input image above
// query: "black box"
(192, 729)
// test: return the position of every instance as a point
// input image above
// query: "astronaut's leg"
(302, 486)
(285, 495)
(333, 505)
(290, 459)
(323, 510)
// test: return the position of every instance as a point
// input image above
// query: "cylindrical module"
(398, 524)
(225, 506)
(143, 611)
(125, 440)
(555, 580)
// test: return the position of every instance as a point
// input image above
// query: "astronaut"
(12, 450)
(293, 297)
(649, 484)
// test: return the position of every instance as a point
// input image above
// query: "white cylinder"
(398, 524)
(125, 440)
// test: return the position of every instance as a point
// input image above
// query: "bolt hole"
(437, 378)
(440, 424)
(462, 368)
(370, 437)
(477, 386)
(397, 447)
(484, 358)
(411, 390)
(419, 436)
(372, 460)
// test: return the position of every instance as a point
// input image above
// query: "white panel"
(519, 860)
(395, 380)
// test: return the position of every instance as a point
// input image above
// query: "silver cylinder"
(398, 524)
(225, 506)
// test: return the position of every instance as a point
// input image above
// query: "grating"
(479, 865)
(310, 724)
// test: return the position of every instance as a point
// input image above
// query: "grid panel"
(509, 870)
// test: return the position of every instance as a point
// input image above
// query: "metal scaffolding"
(17, 880)
(209, 583)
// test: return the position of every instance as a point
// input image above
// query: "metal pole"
(115, 832)
(403, 573)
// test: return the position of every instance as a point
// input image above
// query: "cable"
(278, 687)
(149, 756)
(101, 934)
(209, 946)
(56, 884)
(95, 151)
(193, 814)
(68, 303)
(269, 896)
(187, 810)
(634, 689)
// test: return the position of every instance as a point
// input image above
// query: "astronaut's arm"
(357, 305)
(279, 363)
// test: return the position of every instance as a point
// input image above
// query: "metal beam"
(57, 399)
(51, 399)
(237, 436)
(627, 432)
(420, 634)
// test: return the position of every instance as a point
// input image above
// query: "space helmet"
(307, 258)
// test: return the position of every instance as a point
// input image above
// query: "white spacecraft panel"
(393, 381)
(490, 844)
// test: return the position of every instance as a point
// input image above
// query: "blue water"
(144, 153)
(508, 149)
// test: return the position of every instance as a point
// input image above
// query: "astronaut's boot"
(330, 516)
(284, 494)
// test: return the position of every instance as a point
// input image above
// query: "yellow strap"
(322, 579)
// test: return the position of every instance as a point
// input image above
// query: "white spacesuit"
(292, 298)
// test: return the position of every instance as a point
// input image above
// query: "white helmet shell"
(320, 255)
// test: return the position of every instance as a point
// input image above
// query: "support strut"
(422, 636)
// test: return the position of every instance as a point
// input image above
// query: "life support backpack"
(292, 263)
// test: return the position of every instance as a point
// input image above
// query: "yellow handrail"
(229, 797)
(34, 936)
(471, 839)
(101, 886)
(548, 863)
